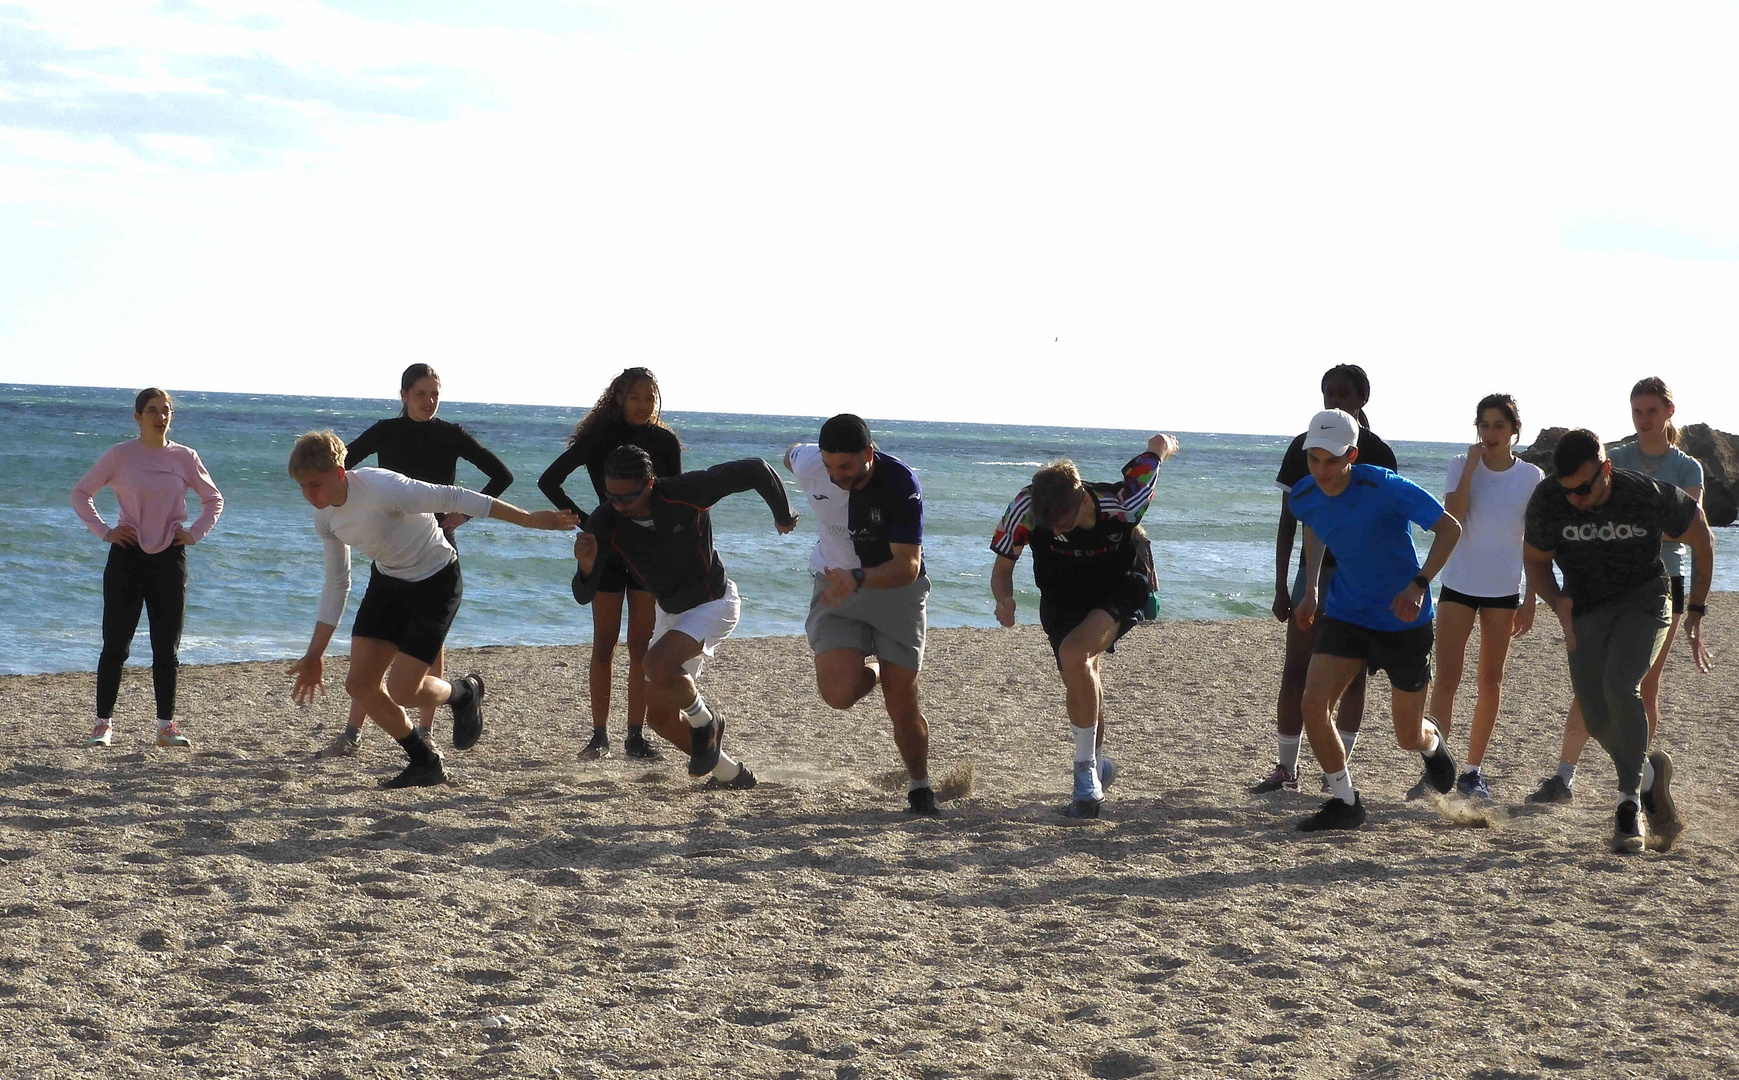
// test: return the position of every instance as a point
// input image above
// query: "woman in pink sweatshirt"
(147, 554)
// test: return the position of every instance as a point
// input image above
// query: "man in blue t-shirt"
(1378, 612)
(870, 588)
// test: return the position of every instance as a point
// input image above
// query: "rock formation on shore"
(1717, 450)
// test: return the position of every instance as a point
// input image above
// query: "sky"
(1149, 215)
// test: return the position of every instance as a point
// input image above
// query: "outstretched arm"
(549, 520)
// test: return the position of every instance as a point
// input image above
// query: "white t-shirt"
(831, 506)
(389, 518)
(1487, 561)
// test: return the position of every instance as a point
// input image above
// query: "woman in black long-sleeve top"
(626, 414)
(416, 444)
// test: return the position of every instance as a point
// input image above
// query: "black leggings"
(158, 583)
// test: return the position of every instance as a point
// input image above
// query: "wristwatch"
(857, 576)
(1422, 581)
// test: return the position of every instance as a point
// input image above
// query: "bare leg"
(1454, 624)
(843, 678)
(606, 628)
(1651, 683)
(1328, 678)
(1494, 651)
(642, 612)
(911, 730)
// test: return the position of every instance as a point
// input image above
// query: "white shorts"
(708, 623)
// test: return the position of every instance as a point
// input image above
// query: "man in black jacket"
(662, 532)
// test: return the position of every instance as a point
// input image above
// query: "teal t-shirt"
(1677, 468)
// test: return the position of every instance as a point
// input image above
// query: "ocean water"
(254, 581)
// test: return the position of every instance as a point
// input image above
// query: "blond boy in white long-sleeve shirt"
(413, 593)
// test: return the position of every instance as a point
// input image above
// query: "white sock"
(1567, 772)
(162, 723)
(1348, 740)
(1647, 775)
(916, 784)
(727, 768)
(1086, 743)
(1341, 783)
(698, 714)
(1626, 797)
(1473, 767)
(1289, 751)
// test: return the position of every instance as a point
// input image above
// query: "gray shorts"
(886, 623)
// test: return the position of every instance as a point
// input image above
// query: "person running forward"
(413, 593)
(1377, 615)
(1487, 490)
(418, 444)
(1656, 454)
(1603, 528)
(1094, 573)
(1348, 388)
(870, 585)
(661, 530)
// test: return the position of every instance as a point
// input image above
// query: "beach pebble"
(497, 1022)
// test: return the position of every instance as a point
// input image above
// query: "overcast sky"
(1147, 215)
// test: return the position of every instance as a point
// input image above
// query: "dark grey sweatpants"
(1616, 644)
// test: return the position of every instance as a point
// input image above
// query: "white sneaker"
(101, 735)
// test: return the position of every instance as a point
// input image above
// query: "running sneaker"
(415, 775)
(599, 747)
(1421, 790)
(1089, 792)
(345, 744)
(1107, 772)
(1280, 778)
(1664, 823)
(743, 781)
(1336, 813)
(1553, 789)
(101, 735)
(704, 744)
(1629, 834)
(1472, 785)
(170, 735)
(922, 801)
(636, 746)
(468, 717)
(1440, 768)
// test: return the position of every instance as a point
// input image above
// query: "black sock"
(637, 731)
(417, 748)
(461, 695)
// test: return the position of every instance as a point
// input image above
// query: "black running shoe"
(1085, 808)
(704, 746)
(1440, 768)
(427, 774)
(1629, 835)
(1664, 823)
(743, 781)
(1553, 789)
(922, 801)
(599, 747)
(636, 746)
(468, 717)
(1336, 813)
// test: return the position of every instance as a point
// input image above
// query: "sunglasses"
(624, 498)
(1586, 488)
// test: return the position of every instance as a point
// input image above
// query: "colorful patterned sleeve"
(1136, 494)
(1015, 528)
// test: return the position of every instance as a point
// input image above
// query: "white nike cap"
(1332, 430)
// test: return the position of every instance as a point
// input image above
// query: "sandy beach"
(243, 911)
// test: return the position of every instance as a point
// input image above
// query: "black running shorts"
(1446, 595)
(414, 615)
(1404, 654)
(616, 577)
(1124, 603)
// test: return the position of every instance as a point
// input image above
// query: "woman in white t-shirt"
(1487, 490)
